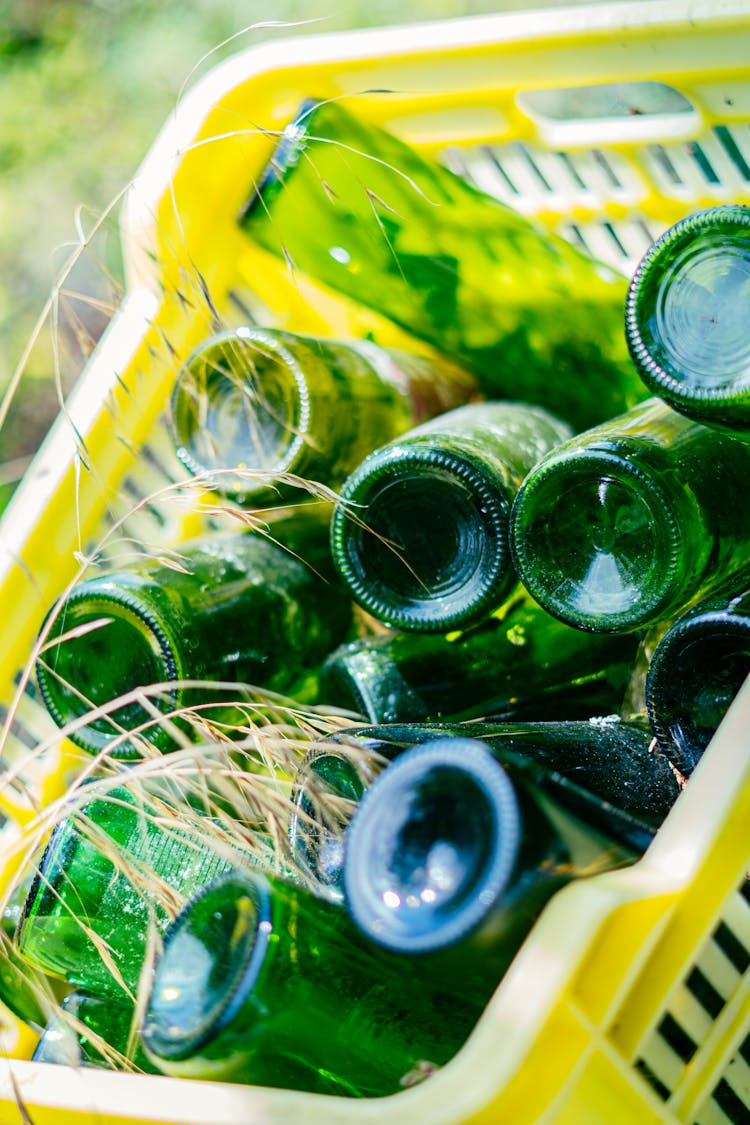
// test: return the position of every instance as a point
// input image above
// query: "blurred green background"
(84, 87)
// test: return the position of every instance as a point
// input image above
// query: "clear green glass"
(111, 876)
(535, 319)
(520, 663)
(262, 983)
(91, 1030)
(451, 857)
(622, 526)
(696, 670)
(686, 321)
(420, 535)
(619, 782)
(243, 610)
(264, 401)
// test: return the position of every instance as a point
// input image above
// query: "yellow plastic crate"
(631, 1000)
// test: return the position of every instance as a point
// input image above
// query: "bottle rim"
(366, 905)
(699, 402)
(300, 407)
(244, 975)
(684, 636)
(163, 648)
(583, 459)
(467, 598)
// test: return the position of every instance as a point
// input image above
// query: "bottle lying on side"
(235, 608)
(112, 876)
(697, 668)
(268, 402)
(420, 532)
(622, 526)
(536, 320)
(249, 954)
(686, 319)
(520, 663)
(607, 768)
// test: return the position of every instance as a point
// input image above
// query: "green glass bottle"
(420, 534)
(236, 608)
(358, 209)
(112, 876)
(619, 781)
(263, 401)
(622, 526)
(697, 668)
(451, 857)
(28, 994)
(520, 663)
(686, 318)
(89, 1030)
(262, 983)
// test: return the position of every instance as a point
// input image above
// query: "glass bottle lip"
(709, 401)
(295, 427)
(464, 598)
(113, 601)
(245, 972)
(375, 912)
(684, 636)
(588, 463)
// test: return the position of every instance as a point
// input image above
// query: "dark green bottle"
(619, 781)
(536, 320)
(451, 857)
(110, 880)
(267, 402)
(696, 670)
(520, 663)
(262, 983)
(622, 526)
(236, 608)
(89, 1030)
(686, 321)
(420, 535)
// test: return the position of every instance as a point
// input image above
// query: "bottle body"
(261, 982)
(631, 787)
(520, 663)
(110, 878)
(236, 609)
(621, 526)
(255, 404)
(697, 668)
(531, 316)
(686, 317)
(420, 533)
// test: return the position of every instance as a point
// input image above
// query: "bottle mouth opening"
(213, 953)
(240, 406)
(432, 846)
(695, 673)
(596, 541)
(420, 538)
(110, 645)
(686, 314)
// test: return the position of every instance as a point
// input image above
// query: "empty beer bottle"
(520, 663)
(111, 877)
(262, 401)
(452, 855)
(420, 534)
(89, 1030)
(686, 320)
(260, 982)
(696, 670)
(234, 608)
(622, 526)
(629, 787)
(537, 320)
